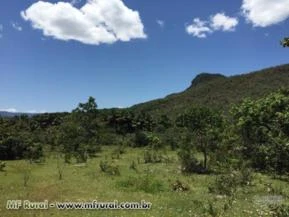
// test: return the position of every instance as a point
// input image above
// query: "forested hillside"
(217, 91)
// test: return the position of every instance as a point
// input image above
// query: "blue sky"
(55, 54)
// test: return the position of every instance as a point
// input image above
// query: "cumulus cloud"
(222, 22)
(263, 13)
(97, 21)
(198, 28)
(161, 23)
(16, 26)
(217, 22)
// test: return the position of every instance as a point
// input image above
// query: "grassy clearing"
(136, 181)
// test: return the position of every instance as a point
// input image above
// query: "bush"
(109, 169)
(141, 139)
(227, 184)
(67, 158)
(133, 166)
(93, 149)
(152, 156)
(262, 126)
(213, 210)
(189, 164)
(2, 166)
(119, 150)
(81, 156)
(246, 176)
(179, 186)
(279, 210)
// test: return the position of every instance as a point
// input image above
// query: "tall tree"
(204, 128)
(79, 131)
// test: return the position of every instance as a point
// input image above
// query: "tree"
(285, 42)
(263, 127)
(89, 107)
(34, 152)
(163, 124)
(122, 121)
(204, 127)
(12, 148)
(79, 131)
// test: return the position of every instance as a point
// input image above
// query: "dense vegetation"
(220, 92)
(228, 144)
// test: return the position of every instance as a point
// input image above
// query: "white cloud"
(217, 22)
(14, 110)
(98, 21)
(263, 13)
(9, 110)
(198, 28)
(34, 111)
(222, 22)
(16, 26)
(161, 23)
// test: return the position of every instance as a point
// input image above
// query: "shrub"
(228, 183)
(81, 155)
(2, 166)
(109, 169)
(213, 210)
(246, 176)
(67, 158)
(34, 152)
(152, 156)
(189, 164)
(262, 126)
(141, 139)
(152, 153)
(279, 210)
(133, 166)
(119, 150)
(225, 184)
(179, 186)
(93, 149)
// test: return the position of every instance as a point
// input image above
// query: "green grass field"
(150, 182)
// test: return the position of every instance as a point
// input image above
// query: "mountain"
(220, 92)
(205, 78)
